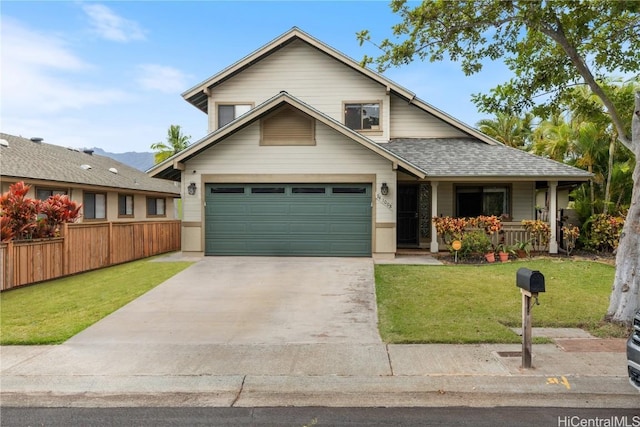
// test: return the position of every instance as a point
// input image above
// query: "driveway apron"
(250, 300)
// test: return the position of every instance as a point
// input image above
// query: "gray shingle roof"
(23, 158)
(467, 157)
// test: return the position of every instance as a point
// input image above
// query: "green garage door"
(288, 219)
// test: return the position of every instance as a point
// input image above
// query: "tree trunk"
(607, 191)
(625, 298)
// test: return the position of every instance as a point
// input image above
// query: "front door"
(408, 218)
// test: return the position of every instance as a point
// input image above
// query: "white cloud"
(42, 75)
(161, 78)
(111, 26)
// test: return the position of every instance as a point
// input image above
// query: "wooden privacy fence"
(84, 247)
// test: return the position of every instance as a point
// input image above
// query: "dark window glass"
(362, 116)
(226, 114)
(95, 205)
(349, 190)
(227, 190)
(155, 207)
(308, 190)
(44, 193)
(267, 190)
(475, 201)
(125, 205)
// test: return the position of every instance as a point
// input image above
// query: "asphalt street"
(309, 416)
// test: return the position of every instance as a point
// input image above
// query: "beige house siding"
(76, 194)
(334, 158)
(408, 121)
(522, 203)
(446, 206)
(307, 74)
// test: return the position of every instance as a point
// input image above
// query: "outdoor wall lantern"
(192, 188)
(384, 189)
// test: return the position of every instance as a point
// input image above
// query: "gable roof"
(25, 159)
(170, 168)
(198, 95)
(468, 158)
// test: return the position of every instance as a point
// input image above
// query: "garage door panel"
(288, 219)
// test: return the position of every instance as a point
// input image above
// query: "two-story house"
(311, 154)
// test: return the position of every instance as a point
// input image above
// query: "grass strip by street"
(54, 311)
(480, 303)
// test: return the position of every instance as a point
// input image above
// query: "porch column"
(434, 213)
(553, 213)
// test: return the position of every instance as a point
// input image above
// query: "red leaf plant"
(23, 218)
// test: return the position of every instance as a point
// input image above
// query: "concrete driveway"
(250, 300)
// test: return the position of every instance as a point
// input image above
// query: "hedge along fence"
(83, 247)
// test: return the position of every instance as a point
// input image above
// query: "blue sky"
(110, 74)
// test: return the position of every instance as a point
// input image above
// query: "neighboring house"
(311, 154)
(107, 189)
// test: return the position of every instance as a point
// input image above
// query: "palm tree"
(175, 143)
(508, 129)
(553, 138)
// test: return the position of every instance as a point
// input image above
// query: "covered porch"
(420, 201)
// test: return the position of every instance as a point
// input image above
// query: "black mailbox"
(530, 280)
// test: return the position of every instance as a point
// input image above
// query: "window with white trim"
(229, 112)
(362, 116)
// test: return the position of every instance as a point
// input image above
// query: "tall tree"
(175, 143)
(512, 131)
(549, 46)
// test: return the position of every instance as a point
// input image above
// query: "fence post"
(110, 248)
(65, 249)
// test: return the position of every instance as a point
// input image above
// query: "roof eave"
(170, 167)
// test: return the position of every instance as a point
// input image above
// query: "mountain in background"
(142, 161)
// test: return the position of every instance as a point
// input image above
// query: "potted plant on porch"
(504, 251)
(523, 248)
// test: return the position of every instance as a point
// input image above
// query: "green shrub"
(475, 242)
(603, 232)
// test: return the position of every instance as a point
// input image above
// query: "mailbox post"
(530, 283)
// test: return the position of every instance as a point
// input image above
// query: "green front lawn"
(54, 311)
(474, 304)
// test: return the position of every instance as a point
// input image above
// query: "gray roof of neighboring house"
(26, 159)
(468, 157)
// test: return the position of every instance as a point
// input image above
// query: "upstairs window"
(229, 112)
(362, 116)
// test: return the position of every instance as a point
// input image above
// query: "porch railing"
(512, 233)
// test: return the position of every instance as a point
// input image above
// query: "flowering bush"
(23, 218)
(472, 232)
(540, 231)
(570, 235)
(490, 224)
(450, 229)
(604, 232)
